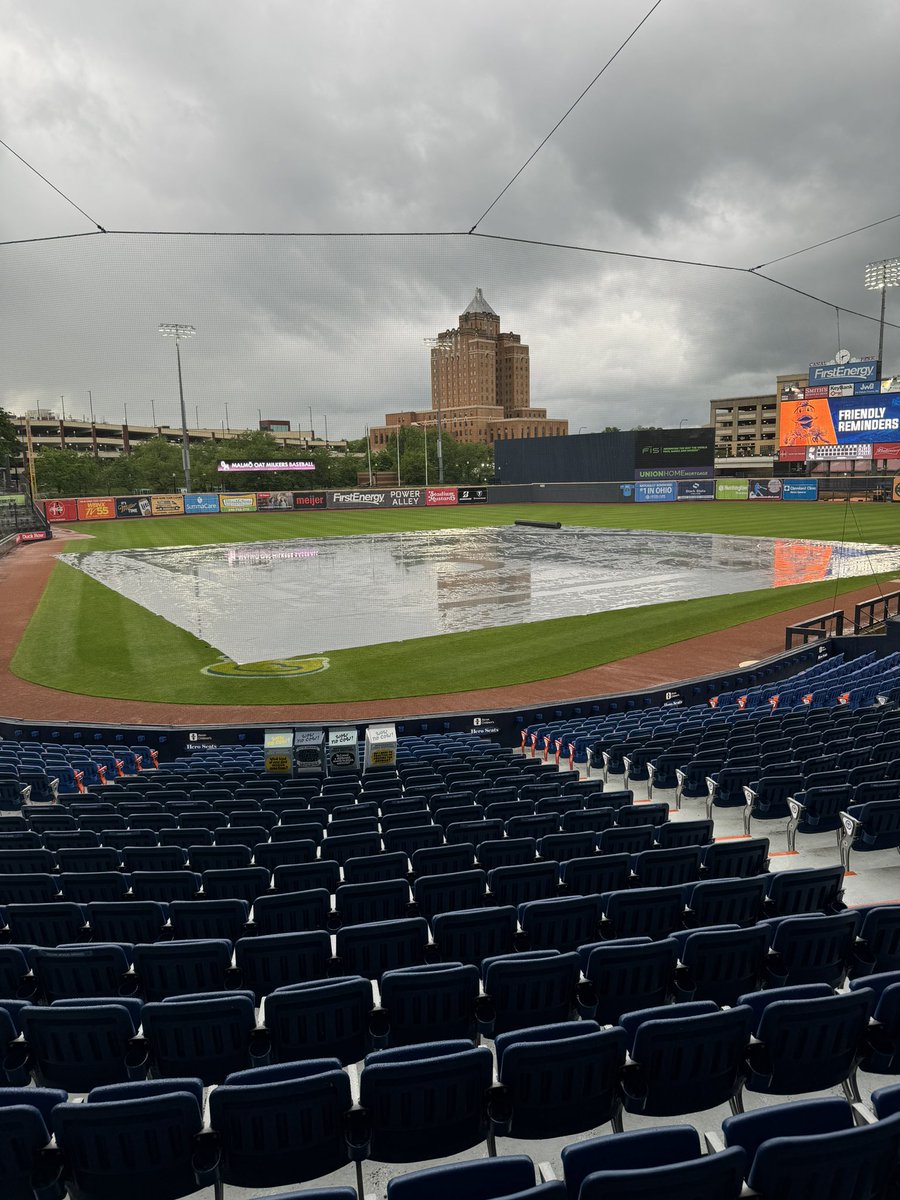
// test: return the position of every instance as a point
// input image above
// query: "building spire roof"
(478, 304)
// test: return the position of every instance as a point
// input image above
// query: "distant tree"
(68, 473)
(9, 439)
(611, 429)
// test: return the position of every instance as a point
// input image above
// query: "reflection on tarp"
(272, 600)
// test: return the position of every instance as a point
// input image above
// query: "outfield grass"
(831, 522)
(86, 638)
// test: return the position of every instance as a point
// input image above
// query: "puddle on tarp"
(262, 600)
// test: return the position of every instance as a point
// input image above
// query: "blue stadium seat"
(327, 1017)
(282, 1124)
(77, 1045)
(806, 1039)
(292, 912)
(537, 987)
(126, 921)
(370, 950)
(178, 968)
(273, 961)
(509, 1177)
(449, 893)
(721, 963)
(28, 1168)
(649, 1163)
(720, 901)
(207, 1036)
(564, 923)
(805, 890)
(628, 974)
(112, 1149)
(472, 935)
(385, 900)
(429, 1003)
(684, 1058)
(813, 949)
(641, 912)
(558, 1080)
(517, 885)
(72, 972)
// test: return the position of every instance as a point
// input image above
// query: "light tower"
(879, 277)
(179, 333)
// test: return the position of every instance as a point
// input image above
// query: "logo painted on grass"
(273, 668)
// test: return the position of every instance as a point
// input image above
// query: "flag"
(808, 698)
(773, 700)
(844, 698)
(714, 702)
(742, 702)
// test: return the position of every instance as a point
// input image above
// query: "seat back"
(531, 988)
(182, 967)
(426, 1101)
(78, 1046)
(629, 974)
(370, 950)
(70, 972)
(423, 1004)
(561, 924)
(806, 890)
(272, 961)
(206, 1038)
(320, 1018)
(642, 912)
(472, 935)
(279, 1127)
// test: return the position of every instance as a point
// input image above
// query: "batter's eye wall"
(584, 458)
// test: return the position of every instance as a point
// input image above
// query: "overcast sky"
(728, 132)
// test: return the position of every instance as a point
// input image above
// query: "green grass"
(831, 522)
(86, 638)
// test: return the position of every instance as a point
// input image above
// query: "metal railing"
(872, 613)
(815, 629)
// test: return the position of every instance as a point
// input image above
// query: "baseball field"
(85, 638)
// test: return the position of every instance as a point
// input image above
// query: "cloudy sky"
(726, 132)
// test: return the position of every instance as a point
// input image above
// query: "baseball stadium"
(497, 796)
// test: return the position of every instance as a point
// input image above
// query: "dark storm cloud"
(729, 133)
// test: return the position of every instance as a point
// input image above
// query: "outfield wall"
(665, 491)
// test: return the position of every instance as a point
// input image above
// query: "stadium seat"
(282, 1124)
(558, 1080)
(684, 1058)
(178, 968)
(628, 974)
(429, 1003)
(276, 960)
(206, 1036)
(721, 963)
(537, 987)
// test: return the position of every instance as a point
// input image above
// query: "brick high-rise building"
(479, 384)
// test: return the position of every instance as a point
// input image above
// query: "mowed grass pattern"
(86, 638)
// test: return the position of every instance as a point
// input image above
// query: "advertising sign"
(103, 509)
(649, 473)
(697, 489)
(133, 506)
(202, 502)
(167, 506)
(240, 502)
(471, 495)
(839, 422)
(792, 454)
(391, 498)
(309, 500)
(848, 372)
(230, 467)
(33, 535)
(800, 489)
(895, 492)
(732, 489)
(274, 501)
(440, 496)
(886, 450)
(655, 448)
(656, 493)
(343, 751)
(766, 489)
(61, 510)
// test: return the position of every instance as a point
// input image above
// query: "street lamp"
(879, 277)
(681, 422)
(179, 332)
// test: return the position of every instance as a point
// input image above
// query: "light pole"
(681, 422)
(441, 346)
(879, 277)
(311, 430)
(421, 425)
(227, 424)
(153, 411)
(325, 419)
(196, 416)
(179, 332)
(399, 427)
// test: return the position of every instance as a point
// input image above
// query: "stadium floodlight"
(442, 345)
(179, 332)
(879, 277)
